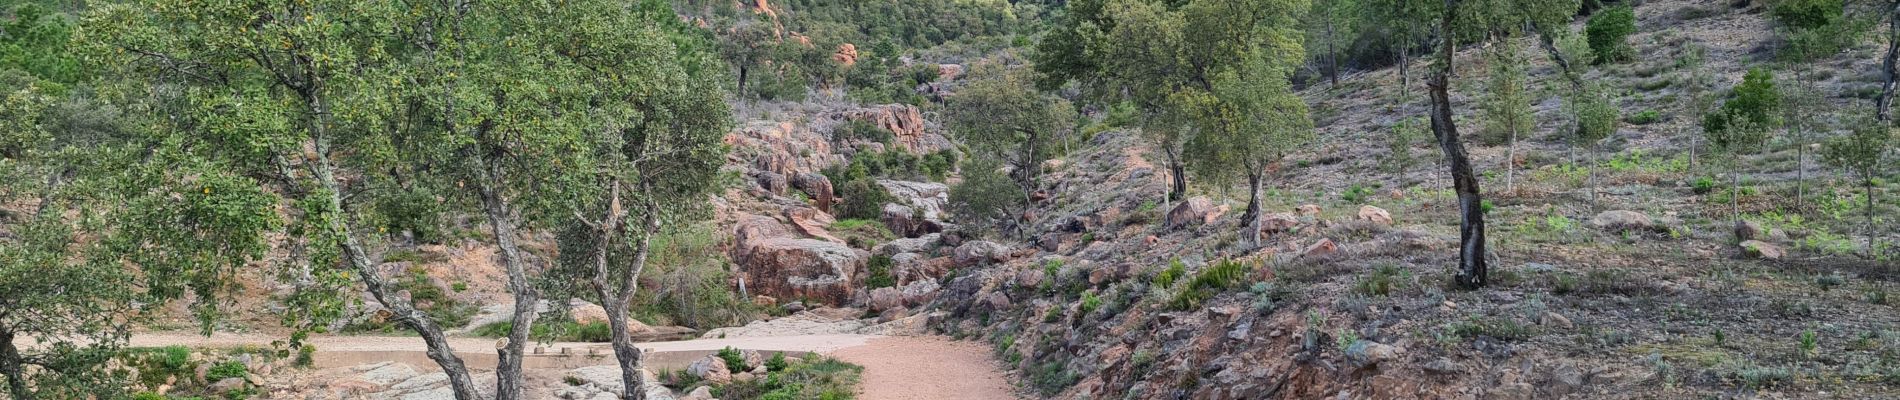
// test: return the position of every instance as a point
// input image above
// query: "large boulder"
(801, 268)
(1195, 211)
(1762, 250)
(886, 298)
(818, 187)
(905, 122)
(1375, 215)
(979, 252)
(1622, 220)
(920, 292)
(811, 222)
(920, 244)
(928, 198)
(910, 267)
(907, 222)
(710, 368)
(1272, 223)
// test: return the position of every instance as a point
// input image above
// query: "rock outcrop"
(906, 124)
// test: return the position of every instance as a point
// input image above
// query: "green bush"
(1167, 276)
(776, 363)
(735, 361)
(863, 199)
(1645, 117)
(862, 130)
(1608, 33)
(1703, 185)
(879, 272)
(1208, 283)
(1756, 99)
(1806, 14)
(227, 369)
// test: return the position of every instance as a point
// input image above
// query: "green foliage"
(1405, 134)
(1507, 106)
(1001, 117)
(734, 360)
(1806, 14)
(558, 331)
(1167, 276)
(227, 369)
(1703, 185)
(1050, 378)
(1382, 281)
(863, 199)
(1596, 116)
(1090, 303)
(986, 199)
(1755, 105)
(1644, 117)
(1356, 194)
(878, 273)
(776, 363)
(1209, 282)
(1608, 32)
(815, 377)
(860, 130)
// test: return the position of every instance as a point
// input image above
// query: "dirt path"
(895, 367)
(926, 368)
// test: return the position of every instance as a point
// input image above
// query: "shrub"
(1703, 185)
(776, 363)
(863, 199)
(879, 272)
(227, 369)
(1090, 303)
(1645, 117)
(1806, 14)
(986, 199)
(306, 355)
(1167, 276)
(1382, 281)
(1755, 99)
(1209, 282)
(854, 130)
(1608, 32)
(734, 360)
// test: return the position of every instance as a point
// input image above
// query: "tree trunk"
(1883, 105)
(403, 312)
(1253, 206)
(13, 369)
(1177, 172)
(1735, 195)
(626, 352)
(742, 76)
(500, 218)
(1471, 263)
(1510, 163)
(615, 299)
(1405, 75)
(1331, 54)
(1868, 184)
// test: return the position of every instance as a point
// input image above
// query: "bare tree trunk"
(1510, 163)
(500, 218)
(1883, 105)
(742, 75)
(13, 369)
(1405, 75)
(616, 299)
(1331, 54)
(1471, 263)
(1253, 206)
(402, 310)
(1868, 184)
(1177, 172)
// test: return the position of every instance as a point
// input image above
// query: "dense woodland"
(155, 152)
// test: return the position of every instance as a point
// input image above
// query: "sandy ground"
(926, 368)
(895, 367)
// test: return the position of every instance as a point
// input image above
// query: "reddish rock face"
(811, 222)
(906, 124)
(1195, 211)
(812, 269)
(847, 54)
(1375, 215)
